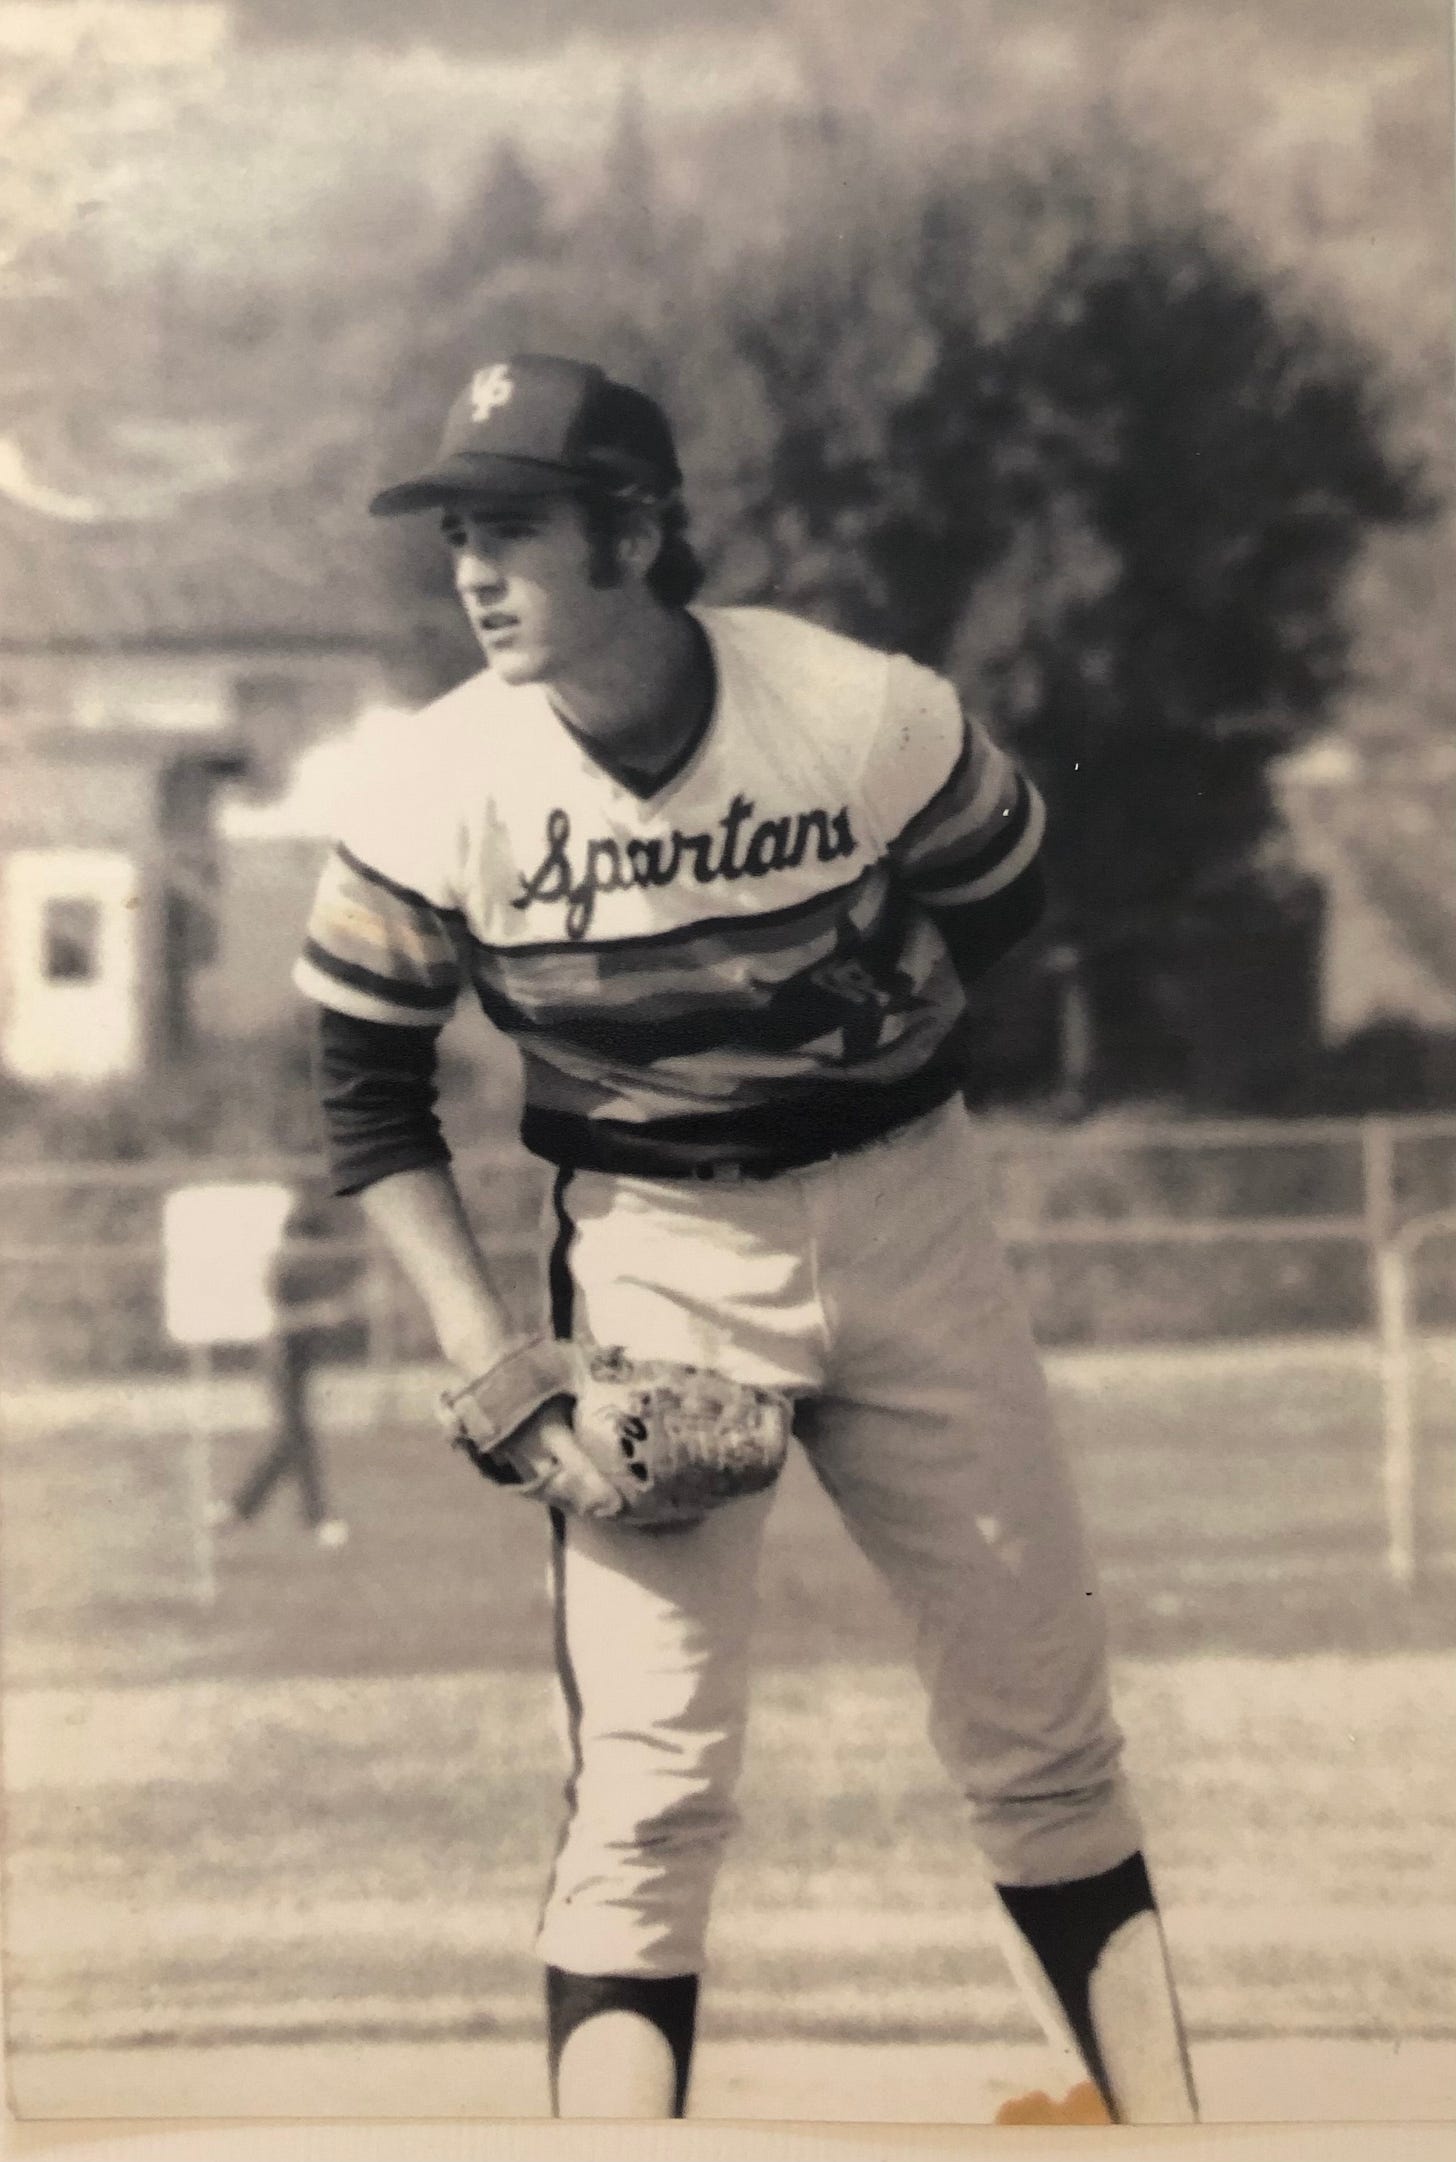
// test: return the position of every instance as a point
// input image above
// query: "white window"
(72, 965)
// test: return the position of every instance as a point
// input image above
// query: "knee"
(1055, 1834)
(630, 1894)
(658, 1825)
(664, 1788)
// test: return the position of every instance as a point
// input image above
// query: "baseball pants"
(873, 1286)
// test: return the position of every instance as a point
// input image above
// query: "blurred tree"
(494, 26)
(1057, 434)
(505, 217)
(73, 107)
(622, 222)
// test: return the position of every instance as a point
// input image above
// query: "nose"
(476, 570)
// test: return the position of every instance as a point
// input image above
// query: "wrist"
(472, 1328)
(473, 1348)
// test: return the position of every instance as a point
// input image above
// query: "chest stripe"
(718, 966)
(749, 929)
(827, 981)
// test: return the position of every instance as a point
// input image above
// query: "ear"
(639, 540)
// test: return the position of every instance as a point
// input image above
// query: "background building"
(144, 664)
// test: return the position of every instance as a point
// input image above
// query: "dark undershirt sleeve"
(979, 934)
(376, 1087)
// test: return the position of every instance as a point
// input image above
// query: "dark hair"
(676, 575)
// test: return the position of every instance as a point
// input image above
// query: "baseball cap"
(536, 425)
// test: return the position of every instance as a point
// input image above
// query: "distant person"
(313, 1292)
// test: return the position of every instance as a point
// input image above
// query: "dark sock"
(669, 2002)
(1067, 1926)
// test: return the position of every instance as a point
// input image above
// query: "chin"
(513, 664)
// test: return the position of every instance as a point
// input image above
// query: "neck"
(638, 697)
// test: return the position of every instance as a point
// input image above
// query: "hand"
(648, 1440)
(522, 1435)
(548, 1437)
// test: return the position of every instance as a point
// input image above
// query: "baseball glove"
(653, 1442)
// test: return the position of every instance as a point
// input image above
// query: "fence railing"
(1387, 1191)
(1392, 1225)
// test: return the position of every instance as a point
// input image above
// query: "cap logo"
(491, 388)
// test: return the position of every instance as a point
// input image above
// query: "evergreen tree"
(624, 217)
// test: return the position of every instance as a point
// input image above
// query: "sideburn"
(603, 561)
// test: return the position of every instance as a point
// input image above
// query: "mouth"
(495, 623)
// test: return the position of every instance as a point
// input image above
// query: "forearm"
(421, 1219)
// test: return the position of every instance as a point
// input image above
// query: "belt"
(572, 1145)
(734, 1174)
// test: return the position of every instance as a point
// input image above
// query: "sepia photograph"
(638, 645)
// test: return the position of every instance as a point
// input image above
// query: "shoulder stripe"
(392, 886)
(966, 822)
(338, 997)
(419, 998)
(979, 881)
(417, 951)
(982, 852)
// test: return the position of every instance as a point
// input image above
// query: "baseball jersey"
(752, 954)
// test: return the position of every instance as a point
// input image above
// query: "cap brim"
(490, 479)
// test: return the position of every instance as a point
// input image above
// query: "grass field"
(321, 1808)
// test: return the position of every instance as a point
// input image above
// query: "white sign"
(219, 1244)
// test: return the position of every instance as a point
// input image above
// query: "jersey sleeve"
(382, 941)
(969, 825)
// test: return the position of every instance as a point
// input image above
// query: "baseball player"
(728, 881)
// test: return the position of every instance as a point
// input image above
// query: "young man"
(725, 878)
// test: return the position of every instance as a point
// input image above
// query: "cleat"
(1082, 2105)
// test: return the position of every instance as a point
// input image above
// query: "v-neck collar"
(650, 792)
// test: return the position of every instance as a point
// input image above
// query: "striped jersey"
(752, 960)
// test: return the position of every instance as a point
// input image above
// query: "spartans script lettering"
(572, 874)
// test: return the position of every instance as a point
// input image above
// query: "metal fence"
(1277, 1227)
(1400, 1213)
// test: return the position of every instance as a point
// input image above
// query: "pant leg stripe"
(570, 1697)
(561, 1293)
(558, 1268)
